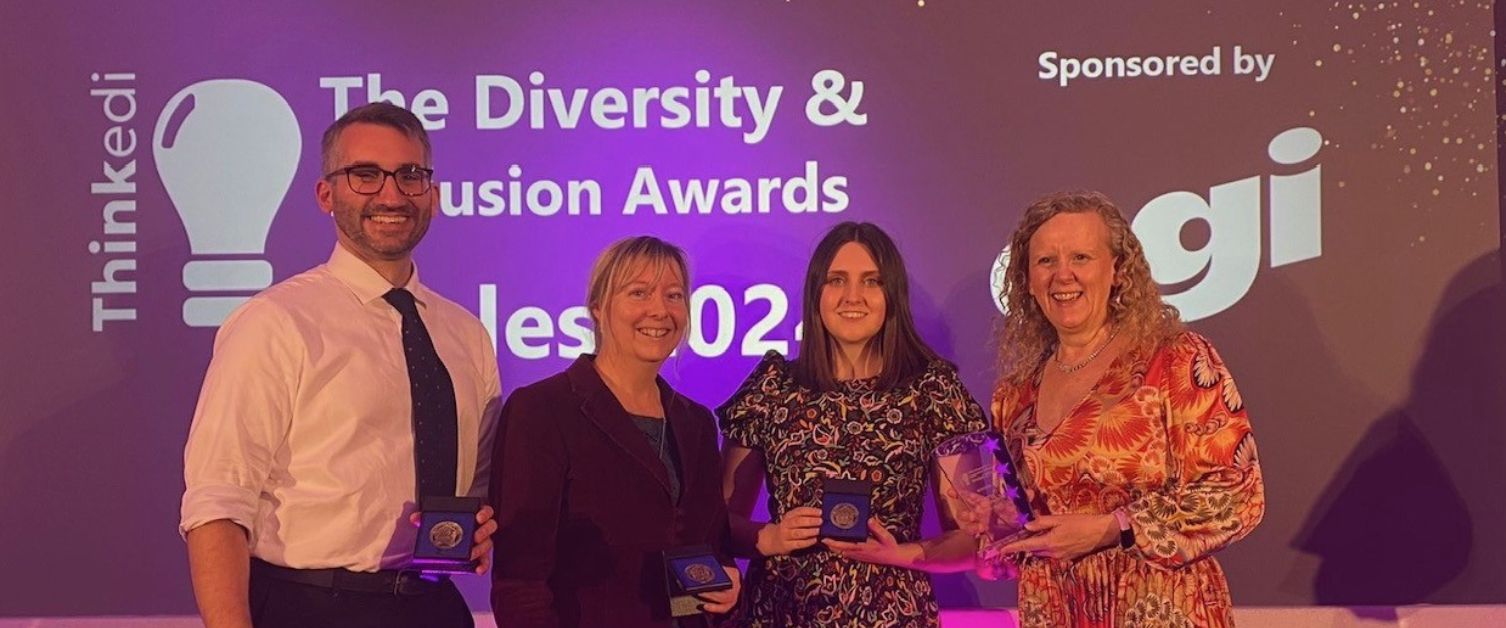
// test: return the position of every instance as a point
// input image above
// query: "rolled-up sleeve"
(242, 417)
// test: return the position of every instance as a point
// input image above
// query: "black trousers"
(282, 604)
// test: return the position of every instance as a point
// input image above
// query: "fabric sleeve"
(1005, 406)
(244, 412)
(1214, 495)
(746, 415)
(719, 536)
(529, 465)
(951, 408)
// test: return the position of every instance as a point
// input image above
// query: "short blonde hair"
(619, 262)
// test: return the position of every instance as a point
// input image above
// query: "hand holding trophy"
(985, 495)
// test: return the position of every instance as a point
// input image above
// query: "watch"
(1126, 532)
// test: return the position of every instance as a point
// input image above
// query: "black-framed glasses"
(368, 180)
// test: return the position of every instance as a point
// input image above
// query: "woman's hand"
(970, 511)
(881, 548)
(796, 530)
(1067, 537)
(721, 602)
(991, 564)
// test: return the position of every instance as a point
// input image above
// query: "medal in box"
(446, 534)
(845, 508)
(692, 570)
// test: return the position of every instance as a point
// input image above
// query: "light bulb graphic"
(226, 150)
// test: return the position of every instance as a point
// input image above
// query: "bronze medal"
(699, 573)
(446, 535)
(844, 516)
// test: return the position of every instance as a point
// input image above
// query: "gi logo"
(1222, 270)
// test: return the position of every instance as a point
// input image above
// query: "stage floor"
(1267, 617)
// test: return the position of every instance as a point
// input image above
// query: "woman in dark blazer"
(600, 469)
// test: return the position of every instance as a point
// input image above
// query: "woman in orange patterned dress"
(1131, 438)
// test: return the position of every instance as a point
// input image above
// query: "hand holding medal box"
(692, 570)
(845, 508)
(446, 534)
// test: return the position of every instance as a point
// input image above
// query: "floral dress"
(1165, 436)
(855, 433)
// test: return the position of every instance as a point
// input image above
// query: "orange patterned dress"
(1165, 436)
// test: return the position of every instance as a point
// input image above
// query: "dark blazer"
(583, 504)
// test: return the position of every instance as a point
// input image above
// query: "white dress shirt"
(303, 432)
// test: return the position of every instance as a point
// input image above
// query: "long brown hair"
(1135, 305)
(904, 353)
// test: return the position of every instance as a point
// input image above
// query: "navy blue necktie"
(434, 431)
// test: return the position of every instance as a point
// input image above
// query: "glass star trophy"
(989, 498)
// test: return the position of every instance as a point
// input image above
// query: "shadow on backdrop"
(1415, 513)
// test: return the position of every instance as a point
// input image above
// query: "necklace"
(1072, 368)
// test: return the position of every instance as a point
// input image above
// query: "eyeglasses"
(368, 180)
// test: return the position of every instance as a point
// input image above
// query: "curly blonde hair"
(1026, 338)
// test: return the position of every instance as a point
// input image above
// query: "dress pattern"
(1163, 434)
(856, 433)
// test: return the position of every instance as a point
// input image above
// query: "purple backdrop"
(1316, 185)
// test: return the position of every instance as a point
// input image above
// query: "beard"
(367, 236)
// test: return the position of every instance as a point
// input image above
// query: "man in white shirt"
(315, 430)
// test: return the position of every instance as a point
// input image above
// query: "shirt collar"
(368, 284)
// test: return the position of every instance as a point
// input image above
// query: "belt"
(389, 581)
